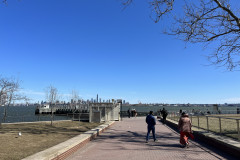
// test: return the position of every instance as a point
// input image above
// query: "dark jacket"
(164, 113)
(150, 120)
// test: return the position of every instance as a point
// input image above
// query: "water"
(188, 109)
(26, 114)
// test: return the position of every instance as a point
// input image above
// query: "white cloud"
(31, 92)
(232, 100)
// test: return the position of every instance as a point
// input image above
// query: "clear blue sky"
(94, 47)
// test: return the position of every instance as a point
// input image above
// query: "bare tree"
(51, 97)
(9, 93)
(210, 22)
(74, 100)
(75, 96)
(51, 94)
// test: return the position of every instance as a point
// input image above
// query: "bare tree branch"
(229, 12)
(9, 88)
(210, 22)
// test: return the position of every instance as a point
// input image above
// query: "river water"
(188, 109)
(27, 113)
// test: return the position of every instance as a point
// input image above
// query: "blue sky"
(96, 47)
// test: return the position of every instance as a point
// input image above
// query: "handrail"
(222, 117)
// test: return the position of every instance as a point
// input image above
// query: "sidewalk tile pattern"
(125, 140)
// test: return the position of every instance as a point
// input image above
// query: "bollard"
(220, 125)
(198, 121)
(238, 129)
(207, 124)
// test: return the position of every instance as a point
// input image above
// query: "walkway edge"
(65, 149)
(221, 142)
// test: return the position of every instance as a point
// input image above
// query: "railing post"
(238, 129)
(207, 124)
(191, 118)
(220, 125)
(198, 121)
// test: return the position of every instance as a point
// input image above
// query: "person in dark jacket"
(129, 114)
(164, 115)
(151, 121)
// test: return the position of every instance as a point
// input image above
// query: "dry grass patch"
(37, 137)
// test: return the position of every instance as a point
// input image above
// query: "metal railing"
(227, 125)
(18, 119)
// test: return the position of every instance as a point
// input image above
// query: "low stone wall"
(223, 143)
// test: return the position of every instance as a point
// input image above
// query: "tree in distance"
(9, 93)
(214, 23)
(52, 98)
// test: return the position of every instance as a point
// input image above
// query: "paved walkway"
(125, 140)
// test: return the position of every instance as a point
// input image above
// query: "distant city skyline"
(96, 47)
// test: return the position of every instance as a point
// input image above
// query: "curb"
(222, 143)
(65, 149)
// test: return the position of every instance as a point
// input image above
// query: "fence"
(79, 116)
(227, 125)
(33, 118)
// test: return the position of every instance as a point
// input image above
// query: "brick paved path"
(125, 140)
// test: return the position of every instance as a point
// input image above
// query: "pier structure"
(92, 112)
(102, 112)
(62, 108)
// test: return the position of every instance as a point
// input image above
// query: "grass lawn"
(37, 137)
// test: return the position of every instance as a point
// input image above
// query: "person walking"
(151, 121)
(135, 113)
(129, 114)
(164, 115)
(185, 128)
